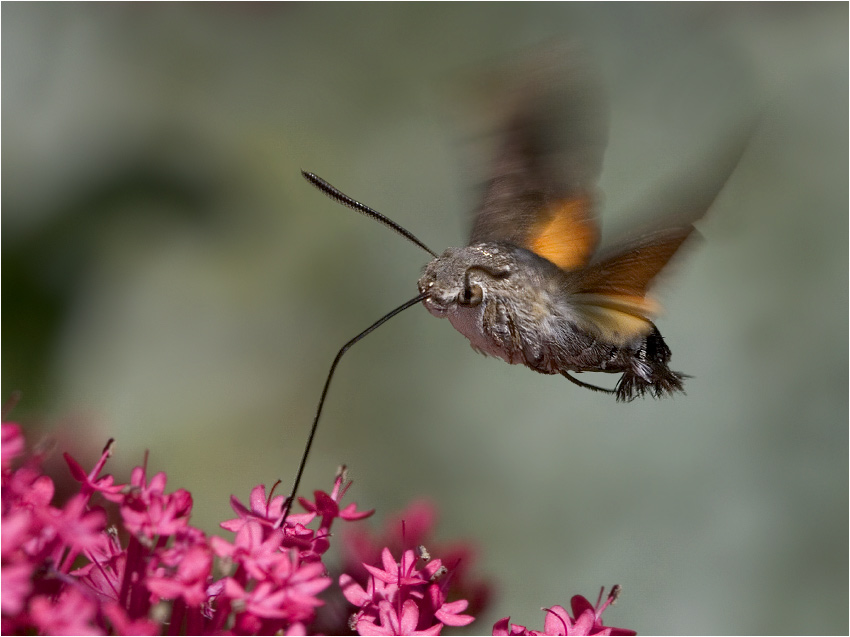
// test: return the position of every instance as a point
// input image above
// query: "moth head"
(464, 278)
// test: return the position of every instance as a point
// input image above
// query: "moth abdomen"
(649, 371)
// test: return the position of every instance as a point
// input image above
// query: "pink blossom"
(256, 549)
(71, 614)
(187, 577)
(105, 573)
(403, 573)
(65, 572)
(17, 530)
(78, 526)
(123, 625)
(327, 505)
(16, 586)
(266, 510)
(450, 613)
(29, 488)
(585, 620)
(147, 510)
(390, 622)
(11, 442)
(162, 579)
(402, 598)
(105, 486)
(414, 527)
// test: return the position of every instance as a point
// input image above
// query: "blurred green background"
(169, 279)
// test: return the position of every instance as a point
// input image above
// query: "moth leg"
(576, 381)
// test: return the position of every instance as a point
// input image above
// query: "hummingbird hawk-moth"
(531, 287)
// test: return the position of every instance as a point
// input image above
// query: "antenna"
(291, 499)
(340, 197)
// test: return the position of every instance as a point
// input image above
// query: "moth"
(531, 287)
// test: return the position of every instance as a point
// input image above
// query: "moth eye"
(470, 295)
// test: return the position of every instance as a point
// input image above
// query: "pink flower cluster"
(585, 620)
(403, 599)
(123, 559)
(66, 571)
(414, 527)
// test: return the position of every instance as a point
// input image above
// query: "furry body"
(528, 314)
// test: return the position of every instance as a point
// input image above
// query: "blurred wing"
(610, 295)
(540, 193)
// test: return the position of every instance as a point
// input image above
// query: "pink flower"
(586, 619)
(266, 510)
(18, 528)
(164, 573)
(11, 443)
(71, 614)
(161, 578)
(286, 597)
(403, 573)
(123, 625)
(91, 483)
(414, 527)
(449, 613)
(390, 622)
(148, 512)
(105, 573)
(16, 586)
(29, 488)
(404, 599)
(187, 577)
(327, 505)
(256, 549)
(78, 526)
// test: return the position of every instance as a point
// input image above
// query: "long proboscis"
(294, 492)
(340, 197)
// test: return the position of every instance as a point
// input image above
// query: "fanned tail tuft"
(662, 383)
(650, 373)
